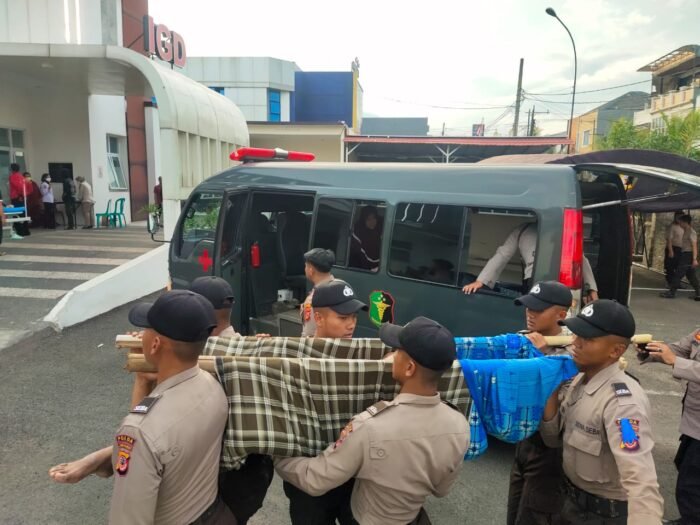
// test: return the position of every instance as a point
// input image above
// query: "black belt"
(205, 516)
(607, 508)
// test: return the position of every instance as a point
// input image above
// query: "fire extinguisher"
(255, 255)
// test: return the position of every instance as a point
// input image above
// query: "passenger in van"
(441, 271)
(335, 310)
(537, 478)
(317, 268)
(523, 239)
(366, 242)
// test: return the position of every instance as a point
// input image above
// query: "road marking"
(43, 274)
(32, 293)
(8, 336)
(659, 290)
(62, 260)
(670, 393)
(78, 247)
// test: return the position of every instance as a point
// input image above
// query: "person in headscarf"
(366, 242)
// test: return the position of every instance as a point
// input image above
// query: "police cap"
(600, 318)
(180, 315)
(428, 343)
(322, 260)
(544, 295)
(217, 290)
(338, 296)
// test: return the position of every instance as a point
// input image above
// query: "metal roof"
(672, 59)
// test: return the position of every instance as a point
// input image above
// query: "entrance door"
(11, 150)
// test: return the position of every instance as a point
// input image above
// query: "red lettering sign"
(159, 41)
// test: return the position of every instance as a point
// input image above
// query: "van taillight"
(255, 255)
(571, 249)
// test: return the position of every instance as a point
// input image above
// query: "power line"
(593, 90)
(437, 106)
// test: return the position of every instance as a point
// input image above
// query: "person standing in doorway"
(69, 199)
(317, 268)
(688, 261)
(87, 203)
(17, 198)
(48, 200)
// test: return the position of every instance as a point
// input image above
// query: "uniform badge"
(535, 289)
(621, 390)
(125, 444)
(587, 311)
(697, 337)
(629, 434)
(343, 435)
(145, 405)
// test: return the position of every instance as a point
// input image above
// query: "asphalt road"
(63, 395)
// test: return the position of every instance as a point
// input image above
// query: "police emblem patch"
(307, 312)
(381, 307)
(629, 434)
(535, 289)
(125, 444)
(347, 292)
(587, 311)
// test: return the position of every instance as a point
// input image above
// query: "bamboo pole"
(563, 340)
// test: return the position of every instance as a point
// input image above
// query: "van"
(430, 229)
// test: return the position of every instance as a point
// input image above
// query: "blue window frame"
(274, 107)
(219, 90)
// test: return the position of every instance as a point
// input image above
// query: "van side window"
(199, 222)
(233, 212)
(353, 230)
(425, 242)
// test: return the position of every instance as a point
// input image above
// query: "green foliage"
(680, 136)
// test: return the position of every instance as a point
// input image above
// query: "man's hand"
(659, 351)
(472, 287)
(695, 263)
(537, 339)
(552, 407)
(592, 296)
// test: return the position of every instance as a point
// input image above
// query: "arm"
(631, 444)
(550, 426)
(443, 488)
(678, 356)
(491, 272)
(333, 467)
(137, 480)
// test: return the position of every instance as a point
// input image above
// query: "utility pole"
(443, 129)
(517, 98)
(527, 126)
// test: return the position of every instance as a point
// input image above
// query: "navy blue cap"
(546, 294)
(217, 290)
(600, 318)
(322, 260)
(338, 296)
(427, 342)
(180, 315)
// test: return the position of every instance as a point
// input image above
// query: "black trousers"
(685, 268)
(671, 263)
(244, 490)
(536, 491)
(21, 228)
(688, 484)
(50, 215)
(320, 510)
(69, 206)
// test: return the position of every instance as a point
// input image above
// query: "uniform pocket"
(586, 450)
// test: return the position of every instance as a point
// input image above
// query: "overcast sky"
(418, 56)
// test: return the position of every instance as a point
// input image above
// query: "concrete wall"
(106, 115)
(252, 101)
(56, 22)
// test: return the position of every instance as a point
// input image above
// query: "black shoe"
(672, 522)
(696, 298)
(668, 295)
(87, 227)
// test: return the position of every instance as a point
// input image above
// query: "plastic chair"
(118, 214)
(107, 214)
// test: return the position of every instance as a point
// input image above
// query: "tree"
(681, 136)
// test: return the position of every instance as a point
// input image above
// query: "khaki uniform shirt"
(400, 452)
(308, 323)
(228, 332)
(596, 458)
(675, 235)
(687, 367)
(85, 193)
(523, 241)
(690, 238)
(166, 461)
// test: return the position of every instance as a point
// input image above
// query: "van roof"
(413, 177)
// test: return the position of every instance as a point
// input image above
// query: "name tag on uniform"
(621, 390)
(145, 405)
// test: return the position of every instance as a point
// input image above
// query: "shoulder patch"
(125, 444)
(621, 390)
(377, 408)
(343, 435)
(145, 405)
(629, 434)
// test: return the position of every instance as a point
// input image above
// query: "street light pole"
(552, 12)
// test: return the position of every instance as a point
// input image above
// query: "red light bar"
(252, 154)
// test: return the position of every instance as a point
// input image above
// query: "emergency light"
(253, 154)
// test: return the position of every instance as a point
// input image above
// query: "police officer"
(535, 494)
(687, 262)
(220, 294)
(335, 309)
(523, 239)
(317, 268)
(684, 358)
(166, 452)
(607, 438)
(401, 451)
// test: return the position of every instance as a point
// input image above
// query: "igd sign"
(159, 41)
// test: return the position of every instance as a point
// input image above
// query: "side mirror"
(152, 224)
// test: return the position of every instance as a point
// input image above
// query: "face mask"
(48, 179)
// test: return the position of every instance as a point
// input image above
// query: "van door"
(193, 250)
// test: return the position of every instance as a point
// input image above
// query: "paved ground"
(64, 394)
(37, 271)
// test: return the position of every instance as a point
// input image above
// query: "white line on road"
(659, 290)
(62, 260)
(32, 293)
(663, 393)
(79, 247)
(44, 274)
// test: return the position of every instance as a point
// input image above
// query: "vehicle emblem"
(587, 311)
(381, 307)
(205, 260)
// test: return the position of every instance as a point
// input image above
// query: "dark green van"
(437, 226)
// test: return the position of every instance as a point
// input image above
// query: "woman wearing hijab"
(49, 202)
(366, 242)
(33, 203)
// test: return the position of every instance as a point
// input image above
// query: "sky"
(455, 62)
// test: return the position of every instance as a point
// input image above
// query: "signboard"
(159, 41)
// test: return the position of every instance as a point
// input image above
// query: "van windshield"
(199, 222)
